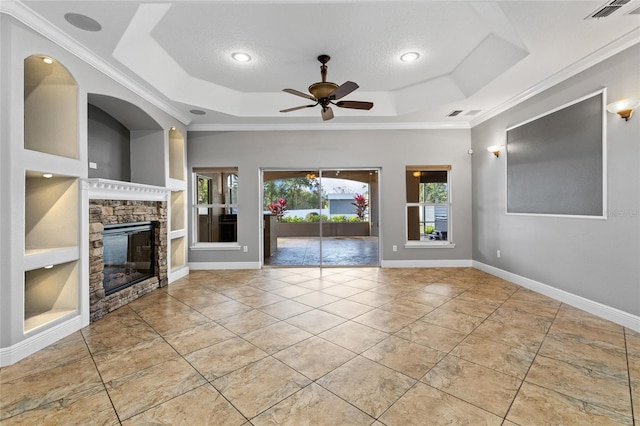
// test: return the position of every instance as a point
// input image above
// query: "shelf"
(44, 318)
(50, 294)
(177, 234)
(39, 258)
(176, 185)
(178, 258)
(50, 108)
(176, 154)
(51, 212)
(177, 210)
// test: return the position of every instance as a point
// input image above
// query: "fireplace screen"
(128, 252)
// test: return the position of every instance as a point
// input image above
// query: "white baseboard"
(203, 266)
(31, 345)
(607, 312)
(463, 263)
(178, 273)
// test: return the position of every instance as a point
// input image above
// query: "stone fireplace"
(114, 209)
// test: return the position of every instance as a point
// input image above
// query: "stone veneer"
(107, 212)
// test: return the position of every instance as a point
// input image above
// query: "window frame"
(448, 243)
(228, 205)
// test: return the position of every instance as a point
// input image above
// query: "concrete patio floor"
(336, 251)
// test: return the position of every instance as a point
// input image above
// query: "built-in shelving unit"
(56, 141)
(51, 195)
(177, 205)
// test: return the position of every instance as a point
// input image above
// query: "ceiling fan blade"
(297, 108)
(327, 113)
(343, 90)
(299, 93)
(355, 104)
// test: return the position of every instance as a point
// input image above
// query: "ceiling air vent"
(607, 9)
(454, 113)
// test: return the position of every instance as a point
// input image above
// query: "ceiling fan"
(325, 93)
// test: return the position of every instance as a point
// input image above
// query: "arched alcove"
(124, 142)
(50, 107)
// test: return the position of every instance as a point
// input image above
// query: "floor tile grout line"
(524, 378)
(207, 382)
(437, 363)
(626, 349)
(104, 385)
(184, 359)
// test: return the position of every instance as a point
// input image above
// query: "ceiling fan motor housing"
(322, 90)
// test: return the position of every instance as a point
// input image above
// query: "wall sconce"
(310, 175)
(494, 149)
(624, 108)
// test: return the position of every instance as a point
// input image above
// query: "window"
(428, 204)
(216, 207)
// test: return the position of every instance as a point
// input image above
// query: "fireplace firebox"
(129, 255)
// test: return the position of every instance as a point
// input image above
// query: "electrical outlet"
(498, 254)
(394, 248)
(245, 249)
(93, 165)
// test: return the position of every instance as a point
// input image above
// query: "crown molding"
(626, 41)
(204, 127)
(28, 17)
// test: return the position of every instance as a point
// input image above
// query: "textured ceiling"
(474, 56)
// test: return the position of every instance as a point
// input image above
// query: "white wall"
(390, 150)
(594, 259)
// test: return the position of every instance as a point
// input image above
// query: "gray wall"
(109, 146)
(390, 150)
(595, 259)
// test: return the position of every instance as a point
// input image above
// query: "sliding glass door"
(292, 213)
(326, 217)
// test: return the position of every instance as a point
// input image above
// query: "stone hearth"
(106, 211)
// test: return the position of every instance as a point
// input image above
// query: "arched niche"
(50, 107)
(124, 142)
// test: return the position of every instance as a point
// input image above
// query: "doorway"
(321, 217)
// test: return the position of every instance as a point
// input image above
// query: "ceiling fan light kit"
(324, 93)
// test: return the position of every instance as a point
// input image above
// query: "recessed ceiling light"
(83, 22)
(47, 175)
(47, 60)
(197, 112)
(409, 57)
(241, 56)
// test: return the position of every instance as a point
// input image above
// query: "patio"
(336, 251)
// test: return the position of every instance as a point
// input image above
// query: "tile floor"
(344, 346)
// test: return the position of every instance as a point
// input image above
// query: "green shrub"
(291, 219)
(312, 217)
